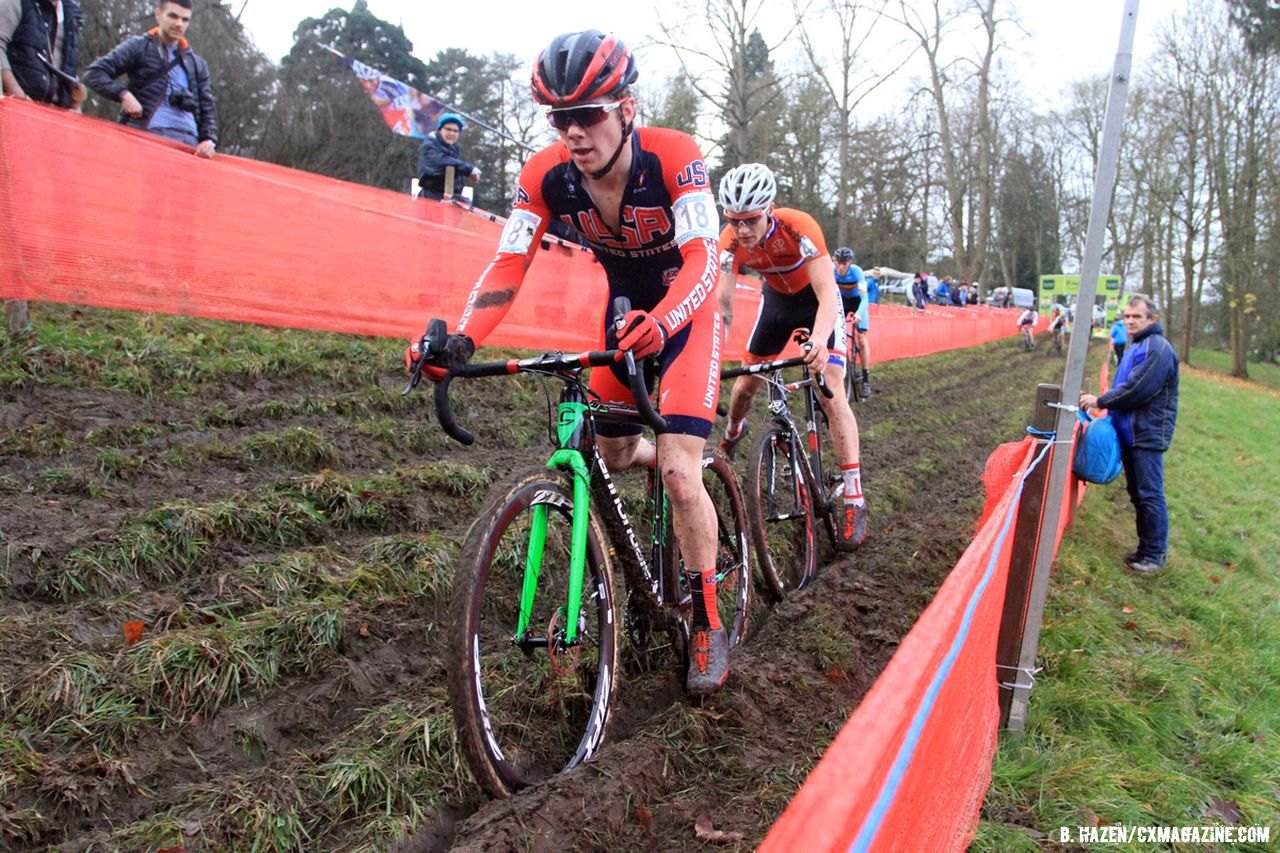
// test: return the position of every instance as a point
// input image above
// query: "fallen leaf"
(705, 830)
(1128, 608)
(132, 631)
(644, 817)
(1130, 626)
(833, 674)
(1214, 579)
(1224, 810)
(178, 849)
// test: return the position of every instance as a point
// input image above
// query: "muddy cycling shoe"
(866, 383)
(708, 662)
(853, 527)
(729, 442)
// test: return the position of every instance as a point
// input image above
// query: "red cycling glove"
(642, 334)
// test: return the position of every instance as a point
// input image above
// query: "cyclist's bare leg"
(740, 396)
(840, 420)
(628, 451)
(692, 513)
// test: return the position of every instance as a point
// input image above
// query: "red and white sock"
(853, 484)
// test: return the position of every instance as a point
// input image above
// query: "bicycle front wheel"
(780, 508)
(530, 706)
(854, 390)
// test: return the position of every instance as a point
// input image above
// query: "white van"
(1022, 297)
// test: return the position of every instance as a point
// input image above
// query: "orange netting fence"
(97, 214)
(910, 768)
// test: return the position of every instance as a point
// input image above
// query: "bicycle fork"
(568, 458)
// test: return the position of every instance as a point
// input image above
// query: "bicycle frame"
(577, 455)
(779, 409)
(770, 372)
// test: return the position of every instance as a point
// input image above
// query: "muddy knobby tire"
(733, 546)
(780, 507)
(524, 714)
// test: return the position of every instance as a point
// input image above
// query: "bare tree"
(848, 79)
(738, 57)
(1240, 87)
(966, 158)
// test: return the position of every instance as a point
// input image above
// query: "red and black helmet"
(578, 68)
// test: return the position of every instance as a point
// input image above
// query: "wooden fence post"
(17, 318)
(1023, 557)
(448, 184)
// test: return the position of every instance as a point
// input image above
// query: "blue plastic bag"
(1097, 454)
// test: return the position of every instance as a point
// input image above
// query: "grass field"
(1216, 361)
(1159, 704)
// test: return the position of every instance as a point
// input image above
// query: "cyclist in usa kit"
(855, 294)
(641, 200)
(787, 249)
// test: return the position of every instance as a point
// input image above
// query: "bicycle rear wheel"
(733, 562)
(781, 506)
(529, 708)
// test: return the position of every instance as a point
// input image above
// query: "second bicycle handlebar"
(773, 366)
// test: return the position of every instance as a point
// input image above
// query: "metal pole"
(1103, 187)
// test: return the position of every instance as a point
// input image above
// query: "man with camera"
(168, 91)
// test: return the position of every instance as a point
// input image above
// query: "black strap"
(177, 59)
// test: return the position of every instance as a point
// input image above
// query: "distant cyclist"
(855, 295)
(640, 198)
(787, 249)
(1058, 319)
(1027, 325)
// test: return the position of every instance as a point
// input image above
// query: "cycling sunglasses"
(583, 117)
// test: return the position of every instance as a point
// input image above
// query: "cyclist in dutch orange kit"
(786, 248)
(641, 200)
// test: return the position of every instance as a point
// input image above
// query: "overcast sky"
(1067, 39)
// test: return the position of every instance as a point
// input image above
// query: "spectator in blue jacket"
(1118, 338)
(1143, 403)
(439, 151)
(169, 92)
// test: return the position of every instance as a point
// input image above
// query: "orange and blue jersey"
(793, 239)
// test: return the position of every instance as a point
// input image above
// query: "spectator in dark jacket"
(40, 51)
(439, 151)
(1144, 405)
(169, 91)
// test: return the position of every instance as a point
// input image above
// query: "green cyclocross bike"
(535, 646)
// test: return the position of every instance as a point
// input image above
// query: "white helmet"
(748, 188)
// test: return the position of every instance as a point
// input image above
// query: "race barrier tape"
(125, 219)
(909, 769)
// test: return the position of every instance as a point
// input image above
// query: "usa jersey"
(662, 256)
(793, 240)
